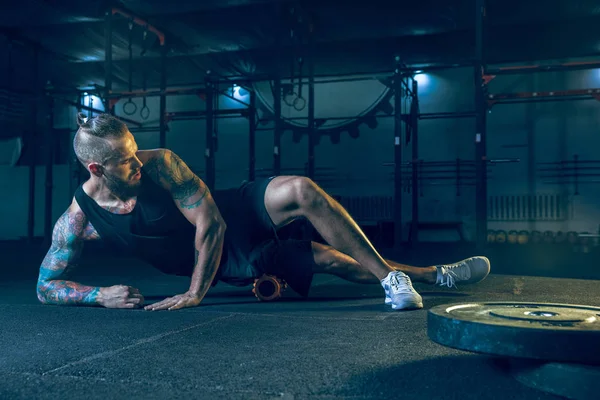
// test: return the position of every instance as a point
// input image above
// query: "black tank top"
(155, 231)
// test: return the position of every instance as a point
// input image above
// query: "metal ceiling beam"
(520, 69)
(16, 37)
(161, 7)
(416, 44)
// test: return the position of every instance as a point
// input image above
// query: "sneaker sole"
(409, 305)
(388, 301)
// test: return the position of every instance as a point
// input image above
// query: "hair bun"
(82, 119)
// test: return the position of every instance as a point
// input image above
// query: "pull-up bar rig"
(401, 85)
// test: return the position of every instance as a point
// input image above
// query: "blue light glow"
(239, 92)
(422, 79)
(92, 101)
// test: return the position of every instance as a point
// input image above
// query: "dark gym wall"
(21, 116)
(533, 133)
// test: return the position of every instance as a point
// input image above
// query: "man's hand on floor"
(120, 296)
(176, 302)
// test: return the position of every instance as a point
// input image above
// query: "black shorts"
(252, 246)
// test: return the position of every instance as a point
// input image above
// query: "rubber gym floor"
(342, 342)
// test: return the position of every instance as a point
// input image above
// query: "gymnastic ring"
(299, 103)
(268, 287)
(289, 98)
(145, 112)
(126, 108)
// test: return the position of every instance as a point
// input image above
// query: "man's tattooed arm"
(167, 168)
(67, 243)
(194, 200)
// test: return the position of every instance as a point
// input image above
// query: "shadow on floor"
(451, 377)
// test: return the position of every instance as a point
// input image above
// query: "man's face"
(122, 172)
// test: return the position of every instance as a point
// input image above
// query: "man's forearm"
(209, 248)
(62, 292)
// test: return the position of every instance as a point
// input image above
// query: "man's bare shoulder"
(79, 222)
(166, 168)
(154, 163)
(152, 155)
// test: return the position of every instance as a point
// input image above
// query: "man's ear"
(96, 169)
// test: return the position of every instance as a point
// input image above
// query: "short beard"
(122, 189)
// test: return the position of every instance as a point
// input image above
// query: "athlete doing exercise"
(150, 205)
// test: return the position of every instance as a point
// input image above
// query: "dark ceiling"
(252, 37)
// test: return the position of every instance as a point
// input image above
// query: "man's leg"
(330, 261)
(290, 197)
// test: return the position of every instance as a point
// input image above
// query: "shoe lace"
(449, 277)
(398, 282)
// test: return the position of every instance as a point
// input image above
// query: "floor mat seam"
(137, 343)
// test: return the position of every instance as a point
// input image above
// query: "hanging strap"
(145, 111)
(129, 107)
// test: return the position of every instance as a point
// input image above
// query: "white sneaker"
(470, 270)
(400, 293)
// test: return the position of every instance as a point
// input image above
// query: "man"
(149, 204)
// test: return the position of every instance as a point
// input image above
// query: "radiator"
(368, 208)
(540, 207)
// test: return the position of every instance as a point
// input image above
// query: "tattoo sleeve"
(187, 189)
(195, 202)
(66, 247)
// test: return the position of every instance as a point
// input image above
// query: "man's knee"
(325, 257)
(307, 193)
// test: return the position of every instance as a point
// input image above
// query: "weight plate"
(545, 331)
(574, 381)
